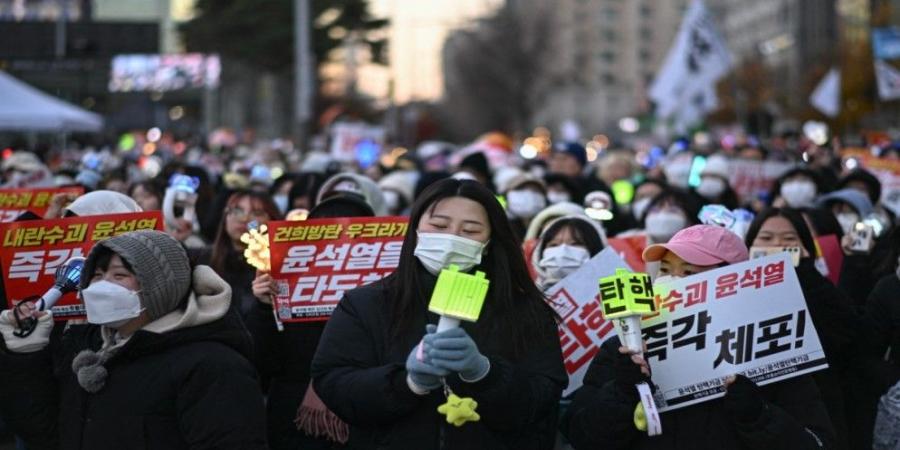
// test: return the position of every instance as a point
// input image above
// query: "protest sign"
(348, 139)
(577, 301)
(748, 318)
(630, 249)
(315, 261)
(32, 251)
(748, 178)
(14, 202)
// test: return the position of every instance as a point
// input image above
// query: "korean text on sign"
(577, 301)
(14, 202)
(748, 318)
(314, 262)
(32, 250)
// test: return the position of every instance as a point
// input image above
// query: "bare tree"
(498, 72)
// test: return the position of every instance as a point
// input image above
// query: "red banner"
(315, 261)
(631, 249)
(14, 202)
(32, 251)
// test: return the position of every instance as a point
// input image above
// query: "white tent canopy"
(24, 108)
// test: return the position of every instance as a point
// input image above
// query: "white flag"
(684, 88)
(888, 80)
(827, 96)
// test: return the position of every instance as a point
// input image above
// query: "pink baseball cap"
(701, 245)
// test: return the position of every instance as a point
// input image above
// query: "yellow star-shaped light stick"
(459, 410)
(257, 251)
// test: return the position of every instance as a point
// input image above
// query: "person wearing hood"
(90, 204)
(24, 169)
(384, 372)
(569, 159)
(162, 364)
(566, 245)
(863, 181)
(788, 414)
(797, 188)
(832, 312)
(398, 188)
(526, 196)
(714, 187)
(358, 184)
(562, 189)
(849, 207)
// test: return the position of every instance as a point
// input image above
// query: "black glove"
(743, 401)
(628, 373)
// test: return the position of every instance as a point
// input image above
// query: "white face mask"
(798, 194)
(110, 304)
(662, 225)
(639, 207)
(437, 251)
(555, 197)
(525, 203)
(711, 188)
(281, 201)
(561, 261)
(847, 221)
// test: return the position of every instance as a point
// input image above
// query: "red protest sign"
(315, 261)
(631, 249)
(32, 250)
(14, 202)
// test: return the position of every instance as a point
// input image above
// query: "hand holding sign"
(257, 254)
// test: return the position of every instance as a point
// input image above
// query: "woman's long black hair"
(793, 216)
(515, 309)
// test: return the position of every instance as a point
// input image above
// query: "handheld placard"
(257, 255)
(458, 296)
(627, 297)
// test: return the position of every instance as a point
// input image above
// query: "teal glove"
(423, 373)
(455, 351)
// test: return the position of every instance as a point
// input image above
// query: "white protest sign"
(748, 318)
(748, 178)
(583, 328)
(345, 136)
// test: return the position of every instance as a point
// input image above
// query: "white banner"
(583, 328)
(888, 80)
(684, 88)
(345, 137)
(827, 96)
(748, 318)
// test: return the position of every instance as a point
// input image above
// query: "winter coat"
(257, 317)
(838, 326)
(602, 417)
(359, 372)
(181, 382)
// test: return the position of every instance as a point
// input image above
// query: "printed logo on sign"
(563, 304)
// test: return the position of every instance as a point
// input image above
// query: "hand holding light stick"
(68, 276)
(457, 296)
(257, 254)
(627, 297)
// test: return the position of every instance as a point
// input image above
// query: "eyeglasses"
(240, 214)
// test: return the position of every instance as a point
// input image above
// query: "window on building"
(609, 35)
(608, 79)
